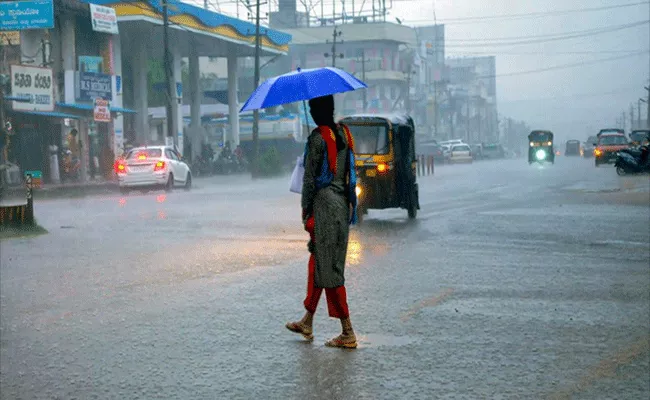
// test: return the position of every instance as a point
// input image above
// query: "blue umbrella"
(301, 85)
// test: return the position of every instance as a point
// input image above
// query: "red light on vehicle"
(382, 168)
(160, 165)
(120, 168)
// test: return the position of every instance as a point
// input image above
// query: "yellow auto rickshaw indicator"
(381, 168)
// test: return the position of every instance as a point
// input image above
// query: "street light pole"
(639, 111)
(256, 113)
(168, 73)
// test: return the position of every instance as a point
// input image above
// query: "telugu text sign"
(35, 84)
(103, 19)
(32, 14)
(102, 112)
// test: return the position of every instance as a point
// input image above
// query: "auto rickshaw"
(386, 162)
(540, 147)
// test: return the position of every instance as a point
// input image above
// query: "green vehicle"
(540, 147)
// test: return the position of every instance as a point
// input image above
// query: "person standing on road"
(328, 208)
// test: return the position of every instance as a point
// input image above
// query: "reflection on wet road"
(515, 281)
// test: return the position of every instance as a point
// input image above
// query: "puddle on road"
(378, 340)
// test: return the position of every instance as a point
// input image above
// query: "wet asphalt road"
(514, 282)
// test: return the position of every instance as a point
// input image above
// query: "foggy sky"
(572, 102)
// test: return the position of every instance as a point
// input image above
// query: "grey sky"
(572, 102)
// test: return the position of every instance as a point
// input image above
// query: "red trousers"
(337, 302)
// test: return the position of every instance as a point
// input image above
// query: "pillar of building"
(140, 91)
(195, 131)
(177, 102)
(233, 101)
(117, 101)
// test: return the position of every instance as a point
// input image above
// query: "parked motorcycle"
(633, 161)
(202, 167)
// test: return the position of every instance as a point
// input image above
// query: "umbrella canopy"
(300, 85)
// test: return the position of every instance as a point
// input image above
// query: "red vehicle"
(610, 142)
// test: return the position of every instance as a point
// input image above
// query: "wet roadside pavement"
(505, 286)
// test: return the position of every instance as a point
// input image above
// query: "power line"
(553, 35)
(492, 18)
(543, 53)
(575, 96)
(567, 37)
(563, 66)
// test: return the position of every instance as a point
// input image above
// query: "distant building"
(472, 85)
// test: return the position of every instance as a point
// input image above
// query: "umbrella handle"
(304, 106)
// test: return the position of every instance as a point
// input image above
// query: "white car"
(460, 153)
(152, 167)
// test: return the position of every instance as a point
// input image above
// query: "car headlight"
(541, 154)
(358, 190)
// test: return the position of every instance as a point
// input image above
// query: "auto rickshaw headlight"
(358, 190)
(540, 155)
(598, 152)
(532, 144)
(382, 168)
(549, 143)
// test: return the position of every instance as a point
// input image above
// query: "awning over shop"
(89, 107)
(51, 114)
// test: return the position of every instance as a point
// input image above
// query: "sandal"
(344, 342)
(299, 327)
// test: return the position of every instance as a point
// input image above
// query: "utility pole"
(3, 133)
(334, 56)
(362, 54)
(468, 139)
(624, 119)
(256, 113)
(169, 79)
(647, 119)
(631, 116)
(638, 105)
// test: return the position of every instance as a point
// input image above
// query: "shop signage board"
(103, 19)
(101, 111)
(35, 84)
(93, 85)
(36, 179)
(28, 14)
(91, 64)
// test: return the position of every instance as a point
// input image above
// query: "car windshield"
(612, 140)
(639, 136)
(462, 147)
(541, 137)
(610, 131)
(370, 139)
(136, 154)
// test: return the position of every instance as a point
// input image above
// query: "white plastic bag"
(297, 176)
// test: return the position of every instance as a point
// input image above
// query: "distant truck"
(493, 151)
(572, 148)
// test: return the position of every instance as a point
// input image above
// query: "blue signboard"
(94, 86)
(28, 14)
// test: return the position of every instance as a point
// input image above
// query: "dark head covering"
(322, 111)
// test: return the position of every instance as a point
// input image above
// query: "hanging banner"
(103, 19)
(34, 14)
(35, 84)
(101, 111)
